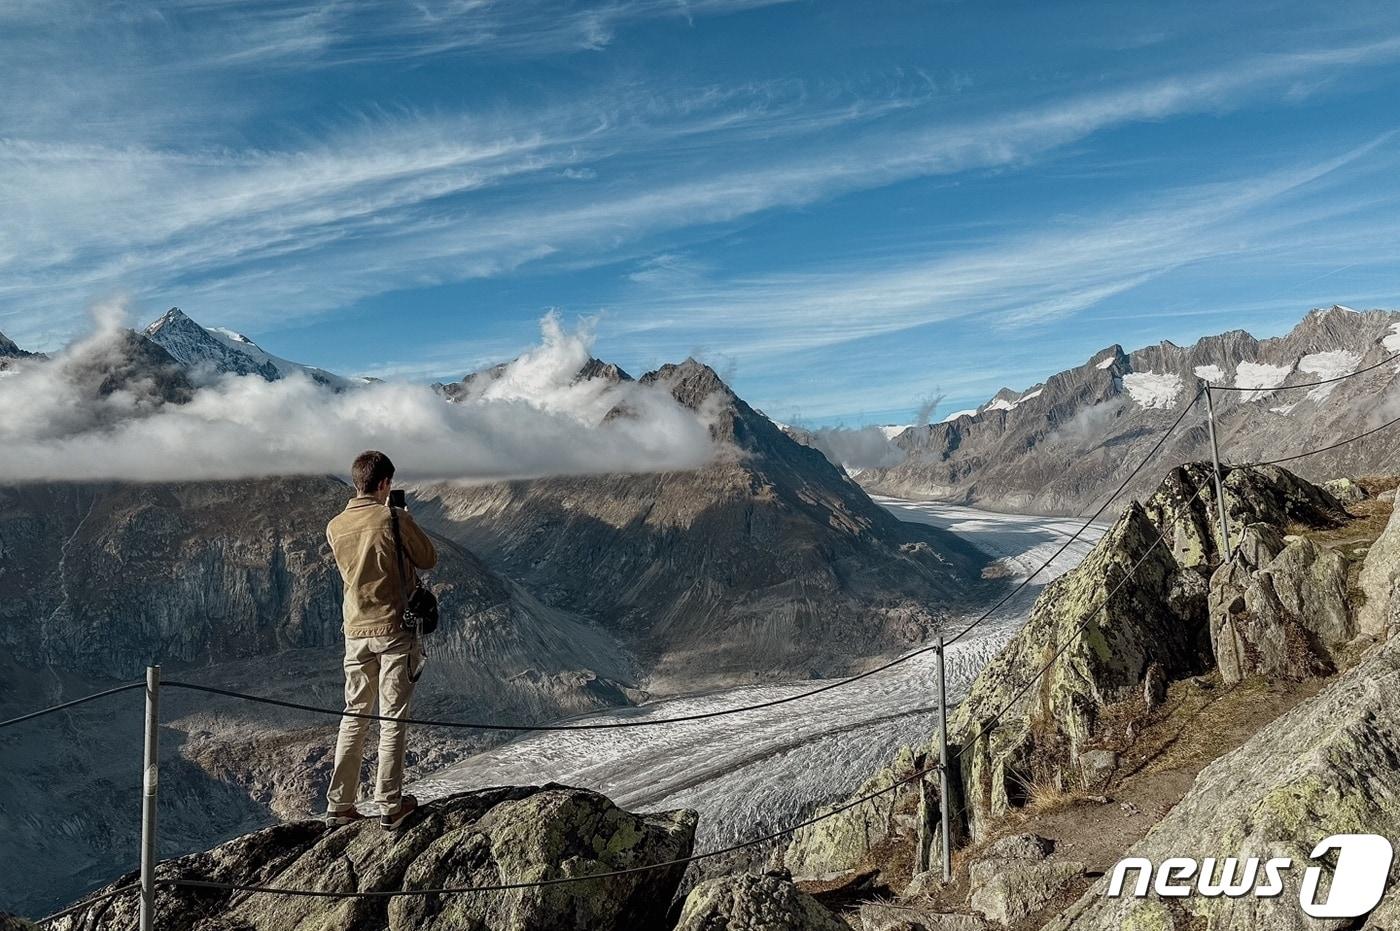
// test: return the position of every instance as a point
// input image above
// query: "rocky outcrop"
(1379, 575)
(1015, 878)
(494, 837)
(1329, 766)
(753, 902)
(769, 561)
(1287, 617)
(1055, 447)
(13, 923)
(1139, 598)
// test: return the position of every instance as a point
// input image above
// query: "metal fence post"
(150, 782)
(1219, 487)
(943, 763)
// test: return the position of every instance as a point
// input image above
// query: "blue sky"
(843, 207)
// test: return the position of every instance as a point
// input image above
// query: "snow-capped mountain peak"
(226, 351)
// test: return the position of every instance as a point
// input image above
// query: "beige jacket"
(363, 543)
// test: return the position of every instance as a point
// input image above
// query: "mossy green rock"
(752, 902)
(492, 837)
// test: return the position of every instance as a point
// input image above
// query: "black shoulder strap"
(399, 554)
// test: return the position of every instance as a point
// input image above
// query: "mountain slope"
(227, 352)
(769, 561)
(1063, 445)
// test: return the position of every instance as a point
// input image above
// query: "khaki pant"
(383, 668)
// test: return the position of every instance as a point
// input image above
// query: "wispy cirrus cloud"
(398, 201)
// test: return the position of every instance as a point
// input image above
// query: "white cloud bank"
(74, 419)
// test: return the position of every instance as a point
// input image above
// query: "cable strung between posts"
(557, 881)
(918, 774)
(89, 903)
(1103, 507)
(1314, 452)
(719, 712)
(69, 704)
(1313, 384)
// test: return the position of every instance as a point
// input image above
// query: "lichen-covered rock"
(1019, 847)
(754, 902)
(1379, 574)
(1127, 605)
(1253, 494)
(1288, 618)
(1329, 766)
(1006, 890)
(492, 837)
(1344, 490)
(841, 842)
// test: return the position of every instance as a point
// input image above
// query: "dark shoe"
(338, 819)
(393, 821)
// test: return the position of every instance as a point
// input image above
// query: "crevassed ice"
(1153, 389)
(1334, 363)
(1260, 375)
(1211, 373)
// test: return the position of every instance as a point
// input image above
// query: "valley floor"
(764, 769)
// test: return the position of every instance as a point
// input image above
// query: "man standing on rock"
(382, 660)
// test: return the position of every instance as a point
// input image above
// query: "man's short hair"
(369, 470)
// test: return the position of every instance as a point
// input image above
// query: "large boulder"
(491, 837)
(1289, 617)
(753, 902)
(1015, 878)
(1379, 574)
(1329, 766)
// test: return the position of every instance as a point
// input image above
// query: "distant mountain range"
(1063, 445)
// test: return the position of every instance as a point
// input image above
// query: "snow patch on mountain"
(1211, 373)
(1106, 362)
(1392, 342)
(1000, 404)
(956, 414)
(1153, 389)
(1028, 395)
(1336, 363)
(891, 430)
(1260, 375)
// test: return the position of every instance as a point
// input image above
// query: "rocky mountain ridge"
(1062, 445)
(225, 352)
(767, 559)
